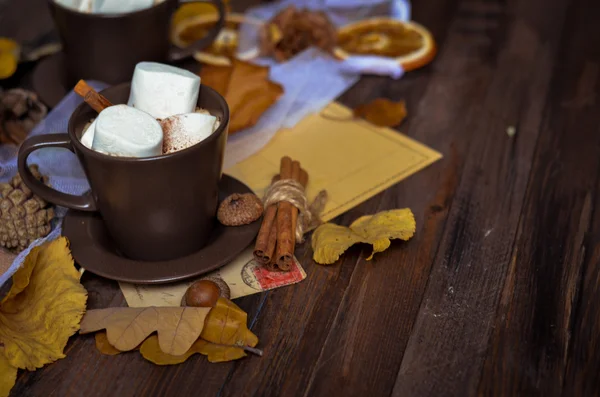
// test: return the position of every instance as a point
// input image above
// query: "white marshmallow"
(87, 6)
(120, 6)
(163, 90)
(72, 4)
(87, 138)
(121, 130)
(184, 130)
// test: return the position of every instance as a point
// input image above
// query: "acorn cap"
(240, 209)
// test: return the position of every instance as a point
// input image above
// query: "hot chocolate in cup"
(155, 208)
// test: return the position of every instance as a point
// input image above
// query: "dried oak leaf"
(246, 88)
(222, 339)
(329, 241)
(43, 307)
(127, 327)
(382, 112)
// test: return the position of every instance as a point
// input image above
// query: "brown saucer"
(48, 80)
(94, 250)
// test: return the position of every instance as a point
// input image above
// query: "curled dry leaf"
(41, 311)
(224, 337)
(246, 88)
(329, 241)
(127, 327)
(43, 308)
(226, 325)
(382, 112)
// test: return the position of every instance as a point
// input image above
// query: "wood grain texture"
(347, 348)
(544, 341)
(447, 346)
(497, 293)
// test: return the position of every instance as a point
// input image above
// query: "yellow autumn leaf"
(9, 57)
(43, 307)
(104, 346)
(226, 325)
(220, 353)
(223, 338)
(215, 353)
(329, 241)
(8, 376)
(127, 327)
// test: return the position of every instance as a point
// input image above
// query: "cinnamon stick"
(267, 235)
(91, 97)
(285, 232)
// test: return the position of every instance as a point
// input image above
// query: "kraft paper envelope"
(352, 159)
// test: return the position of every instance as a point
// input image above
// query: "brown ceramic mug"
(106, 47)
(155, 208)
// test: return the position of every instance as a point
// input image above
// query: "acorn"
(240, 209)
(206, 292)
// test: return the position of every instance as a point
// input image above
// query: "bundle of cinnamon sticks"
(276, 239)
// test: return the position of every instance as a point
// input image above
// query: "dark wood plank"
(581, 377)
(356, 329)
(447, 346)
(547, 320)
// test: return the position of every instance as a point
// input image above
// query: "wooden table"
(497, 294)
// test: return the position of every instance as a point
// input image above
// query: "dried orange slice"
(9, 57)
(225, 45)
(409, 43)
(189, 10)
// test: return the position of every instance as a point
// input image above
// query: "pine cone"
(20, 111)
(24, 217)
(292, 31)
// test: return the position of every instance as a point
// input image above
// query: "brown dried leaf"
(382, 112)
(127, 327)
(224, 337)
(216, 77)
(246, 88)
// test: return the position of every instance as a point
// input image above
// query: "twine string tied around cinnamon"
(293, 192)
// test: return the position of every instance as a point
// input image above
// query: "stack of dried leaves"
(246, 88)
(292, 31)
(40, 312)
(170, 335)
(20, 111)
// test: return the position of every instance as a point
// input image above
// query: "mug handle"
(177, 54)
(82, 203)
